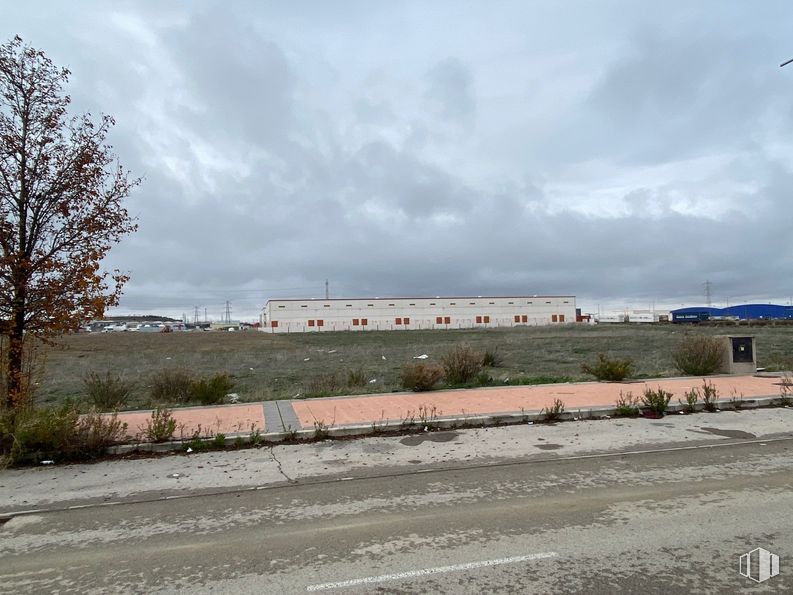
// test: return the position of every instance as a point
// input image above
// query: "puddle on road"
(432, 437)
(726, 433)
(548, 446)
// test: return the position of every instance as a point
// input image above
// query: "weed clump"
(323, 385)
(357, 378)
(420, 376)
(106, 393)
(554, 412)
(656, 400)
(709, 395)
(462, 364)
(211, 390)
(180, 386)
(627, 405)
(161, 426)
(492, 358)
(698, 355)
(171, 385)
(692, 398)
(612, 370)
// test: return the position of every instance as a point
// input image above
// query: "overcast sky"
(622, 152)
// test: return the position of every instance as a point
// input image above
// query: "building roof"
(419, 297)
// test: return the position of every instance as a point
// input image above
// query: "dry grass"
(266, 366)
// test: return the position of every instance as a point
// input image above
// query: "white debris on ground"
(422, 356)
(373, 380)
(332, 351)
(382, 356)
(233, 398)
(305, 359)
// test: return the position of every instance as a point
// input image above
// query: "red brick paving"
(208, 421)
(396, 406)
(230, 419)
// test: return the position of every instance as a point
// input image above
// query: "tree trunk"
(15, 378)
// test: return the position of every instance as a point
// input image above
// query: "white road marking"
(369, 580)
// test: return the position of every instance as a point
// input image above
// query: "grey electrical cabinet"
(739, 355)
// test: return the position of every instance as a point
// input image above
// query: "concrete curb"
(441, 423)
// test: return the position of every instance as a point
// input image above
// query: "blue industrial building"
(740, 312)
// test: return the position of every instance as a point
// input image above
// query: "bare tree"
(61, 193)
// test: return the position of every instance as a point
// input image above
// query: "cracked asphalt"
(616, 506)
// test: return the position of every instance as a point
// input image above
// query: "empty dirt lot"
(267, 366)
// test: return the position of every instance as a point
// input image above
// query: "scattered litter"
(189, 450)
(506, 380)
(373, 380)
(718, 409)
(175, 475)
(233, 398)
(305, 359)
(251, 369)
(47, 462)
(682, 412)
(606, 417)
(422, 356)
(296, 396)
(426, 429)
(382, 356)
(529, 423)
(167, 358)
(332, 351)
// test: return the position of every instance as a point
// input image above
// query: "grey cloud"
(450, 90)
(277, 153)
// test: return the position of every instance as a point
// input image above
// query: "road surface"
(670, 518)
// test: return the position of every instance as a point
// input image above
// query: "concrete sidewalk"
(271, 417)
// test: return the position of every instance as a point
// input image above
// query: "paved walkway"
(277, 416)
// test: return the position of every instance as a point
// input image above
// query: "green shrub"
(107, 393)
(420, 376)
(461, 365)
(211, 390)
(491, 358)
(627, 405)
(161, 426)
(32, 434)
(656, 400)
(612, 370)
(698, 355)
(171, 385)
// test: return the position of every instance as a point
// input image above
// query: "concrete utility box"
(740, 356)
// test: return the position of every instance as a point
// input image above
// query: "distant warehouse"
(740, 312)
(385, 314)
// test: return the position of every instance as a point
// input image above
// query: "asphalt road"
(667, 521)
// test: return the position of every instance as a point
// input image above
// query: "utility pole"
(327, 290)
(195, 316)
(708, 293)
(228, 312)
(205, 315)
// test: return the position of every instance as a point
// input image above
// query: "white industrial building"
(634, 316)
(385, 314)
